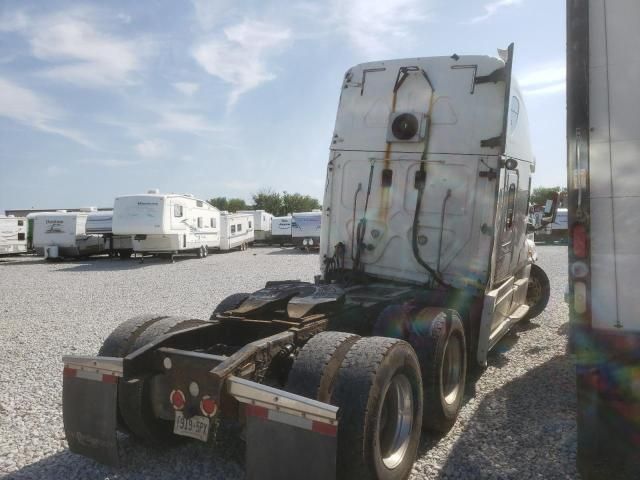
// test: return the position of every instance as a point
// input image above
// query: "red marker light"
(580, 240)
(177, 399)
(208, 406)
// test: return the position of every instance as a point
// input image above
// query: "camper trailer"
(281, 230)
(305, 229)
(262, 221)
(63, 234)
(100, 223)
(13, 235)
(425, 266)
(236, 230)
(603, 133)
(167, 224)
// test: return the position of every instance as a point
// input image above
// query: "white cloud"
(80, 51)
(372, 26)
(186, 122)
(240, 57)
(546, 79)
(210, 13)
(187, 88)
(108, 162)
(55, 170)
(26, 107)
(492, 8)
(152, 148)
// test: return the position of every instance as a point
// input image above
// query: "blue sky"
(224, 97)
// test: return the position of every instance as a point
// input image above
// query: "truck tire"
(379, 392)
(229, 303)
(134, 402)
(438, 338)
(315, 368)
(120, 342)
(538, 292)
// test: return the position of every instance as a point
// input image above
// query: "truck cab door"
(505, 225)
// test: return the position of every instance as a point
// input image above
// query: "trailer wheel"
(538, 292)
(201, 252)
(134, 401)
(125, 254)
(230, 303)
(206, 251)
(315, 368)
(120, 342)
(379, 392)
(439, 341)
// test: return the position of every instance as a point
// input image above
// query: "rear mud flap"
(284, 447)
(90, 412)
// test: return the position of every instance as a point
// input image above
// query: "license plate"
(195, 427)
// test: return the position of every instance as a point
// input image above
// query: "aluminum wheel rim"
(395, 422)
(451, 370)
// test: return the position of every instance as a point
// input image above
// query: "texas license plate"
(195, 427)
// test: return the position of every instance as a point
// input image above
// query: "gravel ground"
(518, 420)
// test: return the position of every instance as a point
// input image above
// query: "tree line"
(539, 195)
(276, 203)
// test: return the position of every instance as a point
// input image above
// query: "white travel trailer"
(168, 224)
(281, 230)
(236, 230)
(603, 132)
(101, 223)
(63, 234)
(305, 229)
(262, 221)
(13, 235)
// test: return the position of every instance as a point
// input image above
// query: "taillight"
(579, 237)
(177, 399)
(208, 406)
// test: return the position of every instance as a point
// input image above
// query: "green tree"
(221, 203)
(295, 202)
(540, 195)
(235, 204)
(268, 200)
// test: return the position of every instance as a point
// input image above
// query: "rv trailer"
(603, 134)
(101, 223)
(261, 224)
(305, 229)
(236, 230)
(167, 224)
(13, 235)
(281, 230)
(64, 235)
(425, 266)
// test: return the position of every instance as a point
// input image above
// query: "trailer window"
(198, 203)
(20, 223)
(233, 229)
(213, 222)
(239, 227)
(21, 236)
(249, 224)
(515, 112)
(177, 210)
(511, 203)
(199, 222)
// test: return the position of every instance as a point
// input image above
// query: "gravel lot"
(518, 420)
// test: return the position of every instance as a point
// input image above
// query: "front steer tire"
(538, 292)
(316, 367)
(377, 438)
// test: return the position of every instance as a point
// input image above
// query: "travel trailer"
(425, 266)
(261, 224)
(167, 224)
(13, 235)
(63, 234)
(603, 133)
(281, 230)
(305, 229)
(100, 223)
(236, 230)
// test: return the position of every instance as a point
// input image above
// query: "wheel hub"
(451, 370)
(396, 421)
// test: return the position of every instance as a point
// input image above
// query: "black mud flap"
(285, 447)
(89, 408)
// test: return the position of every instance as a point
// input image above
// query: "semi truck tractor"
(603, 130)
(424, 266)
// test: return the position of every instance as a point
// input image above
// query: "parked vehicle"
(236, 230)
(101, 223)
(63, 234)
(167, 224)
(13, 235)
(281, 230)
(603, 131)
(425, 266)
(305, 229)
(261, 224)
(558, 231)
